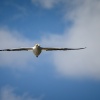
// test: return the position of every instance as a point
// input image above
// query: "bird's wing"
(50, 49)
(17, 49)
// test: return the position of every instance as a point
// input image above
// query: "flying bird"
(37, 49)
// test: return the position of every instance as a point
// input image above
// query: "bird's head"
(37, 45)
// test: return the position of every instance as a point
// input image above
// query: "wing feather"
(51, 49)
(17, 49)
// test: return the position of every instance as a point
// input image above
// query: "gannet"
(37, 49)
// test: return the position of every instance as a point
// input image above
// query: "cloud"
(49, 4)
(84, 32)
(46, 3)
(13, 39)
(8, 93)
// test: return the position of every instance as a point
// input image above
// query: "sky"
(54, 75)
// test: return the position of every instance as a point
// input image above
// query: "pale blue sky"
(53, 75)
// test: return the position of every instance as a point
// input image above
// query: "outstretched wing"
(50, 49)
(17, 49)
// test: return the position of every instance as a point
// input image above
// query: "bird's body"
(37, 49)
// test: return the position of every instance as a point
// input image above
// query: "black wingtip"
(83, 48)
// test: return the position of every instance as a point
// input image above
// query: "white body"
(37, 50)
